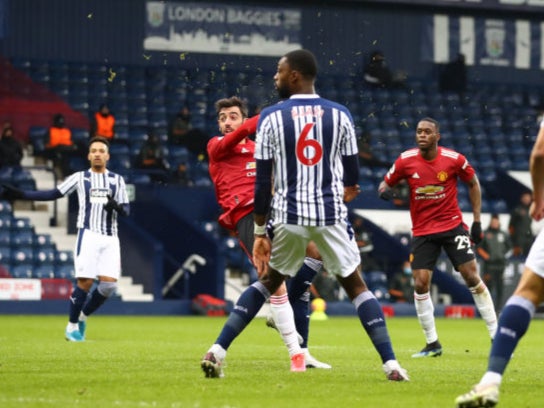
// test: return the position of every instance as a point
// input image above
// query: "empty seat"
(22, 271)
(22, 255)
(22, 237)
(65, 271)
(43, 272)
(45, 256)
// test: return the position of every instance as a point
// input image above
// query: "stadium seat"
(21, 271)
(64, 257)
(22, 254)
(5, 236)
(5, 254)
(64, 271)
(43, 272)
(45, 255)
(22, 237)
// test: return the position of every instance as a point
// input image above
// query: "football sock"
(285, 323)
(513, 323)
(77, 300)
(96, 300)
(484, 303)
(425, 314)
(247, 306)
(299, 297)
(371, 316)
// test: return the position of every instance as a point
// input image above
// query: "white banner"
(221, 29)
(20, 289)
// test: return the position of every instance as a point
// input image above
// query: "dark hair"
(229, 103)
(101, 140)
(302, 61)
(434, 121)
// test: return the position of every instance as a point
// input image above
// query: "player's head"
(296, 73)
(427, 133)
(231, 113)
(99, 153)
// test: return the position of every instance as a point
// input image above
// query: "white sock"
(425, 314)
(491, 378)
(72, 327)
(285, 322)
(219, 351)
(484, 303)
(82, 317)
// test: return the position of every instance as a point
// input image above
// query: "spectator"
(365, 245)
(11, 150)
(376, 73)
(519, 226)
(103, 123)
(494, 250)
(454, 76)
(182, 133)
(151, 157)
(401, 288)
(325, 286)
(59, 147)
(181, 175)
(366, 156)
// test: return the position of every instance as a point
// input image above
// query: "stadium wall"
(340, 33)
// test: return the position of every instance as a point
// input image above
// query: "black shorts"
(456, 243)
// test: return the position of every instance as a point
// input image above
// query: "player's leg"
(514, 321)
(341, 258)
(108, 269)
(85, 254)
(461, 253)
(425, 252)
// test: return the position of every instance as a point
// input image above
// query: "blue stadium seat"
(65, 271)
(5, 220)
(45, 255)
(64, 257)
(22, 237)
(43, 272)
(21, 271)
(22, 223)
(5, 236)
(23, 254)
(5, 254)
(5, 207)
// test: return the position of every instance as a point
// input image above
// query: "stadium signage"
(221, 28)
(20, 289)
(511, 5)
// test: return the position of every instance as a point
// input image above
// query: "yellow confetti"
(147, 57)
(90, 15)
(112, 75)
(182, 56)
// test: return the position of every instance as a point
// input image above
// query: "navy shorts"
(456, 243)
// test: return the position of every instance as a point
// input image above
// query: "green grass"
(154, 362)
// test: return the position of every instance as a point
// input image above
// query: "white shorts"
(535, 258)
(336, 244)
(97, 255)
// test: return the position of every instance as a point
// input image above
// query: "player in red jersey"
(432, 173)
(232, 169)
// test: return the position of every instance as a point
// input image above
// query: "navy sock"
(513, 323)
(249, 303)
(299, 297)
(96, 300)
(77, 299)
(372, 318)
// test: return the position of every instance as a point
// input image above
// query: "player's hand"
(476, 232)
(385, 192)
(11, 193)
(350, 192)
(111, 205)
(261, 253)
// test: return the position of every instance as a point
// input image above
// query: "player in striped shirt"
(432, 173)
(307, 146)
(102, 198)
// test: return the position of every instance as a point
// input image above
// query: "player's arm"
(351, 177)
(536, 168)
(475, 197)
(391, 178)
(226, 143)
(263, 196)
(12, 193)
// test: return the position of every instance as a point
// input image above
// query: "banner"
(20, 289)
(484, 41)
(492, 5)
(221, 29)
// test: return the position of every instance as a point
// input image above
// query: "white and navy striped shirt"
(92, 191)
(306, 137)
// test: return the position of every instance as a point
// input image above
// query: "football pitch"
(155, 362)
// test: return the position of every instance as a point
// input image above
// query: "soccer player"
(432, 173)
(102, 197)
(232, 169)
(307, 146)
(518, 311)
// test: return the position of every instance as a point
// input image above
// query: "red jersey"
(232, 170)
(433, 188)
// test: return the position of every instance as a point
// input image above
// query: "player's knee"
(107, 289)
